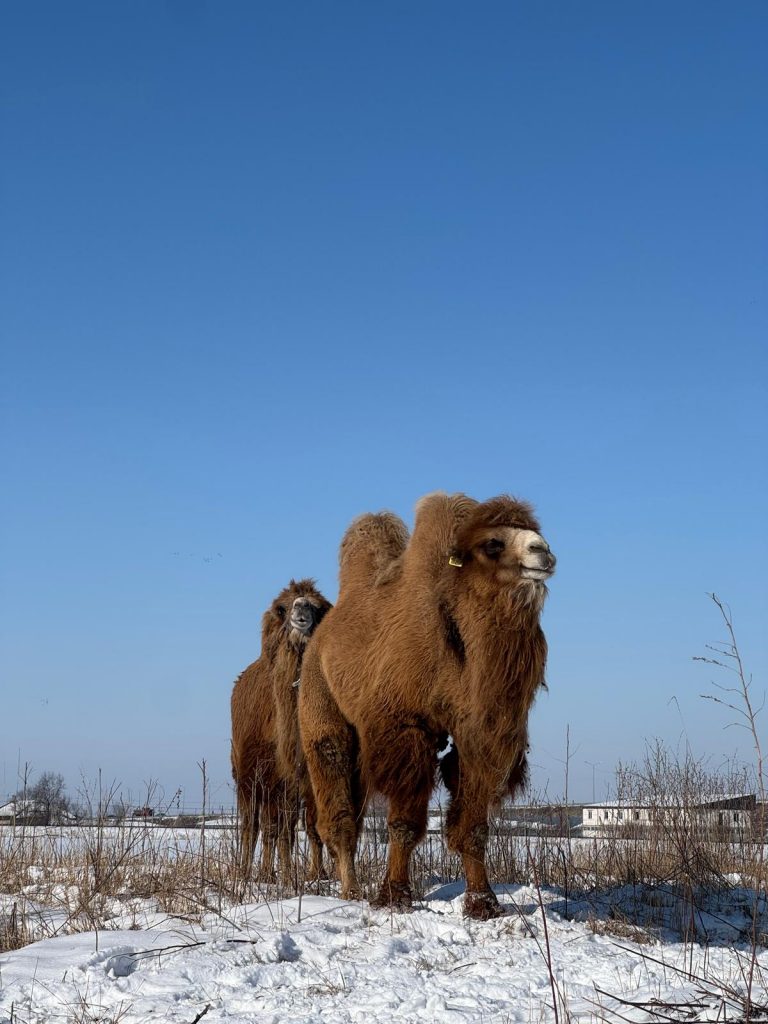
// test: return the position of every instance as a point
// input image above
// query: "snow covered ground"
(615, 953)
(324, 960)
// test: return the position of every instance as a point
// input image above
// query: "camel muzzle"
(541, 571)
(302, 616)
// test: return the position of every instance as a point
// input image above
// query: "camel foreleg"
(406, 825)
(467, 834)
(406, 776)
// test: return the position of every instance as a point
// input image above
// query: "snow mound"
(323, 959)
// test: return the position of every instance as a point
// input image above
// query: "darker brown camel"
(433, 636)
(270, 777)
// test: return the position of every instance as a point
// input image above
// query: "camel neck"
(505, 657)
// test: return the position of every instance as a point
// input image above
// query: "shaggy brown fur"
(268, 770)
(419, 647)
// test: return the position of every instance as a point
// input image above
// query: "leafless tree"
(46, 799)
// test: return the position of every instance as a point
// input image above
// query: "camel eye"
(280, 611)
(493, 548)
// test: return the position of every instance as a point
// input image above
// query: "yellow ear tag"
(455, 561)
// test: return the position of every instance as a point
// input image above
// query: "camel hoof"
(394, 896)
(352, 893)
(482, 906)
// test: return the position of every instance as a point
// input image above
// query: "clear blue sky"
(268, 266)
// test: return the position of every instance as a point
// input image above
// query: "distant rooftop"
(673, 801)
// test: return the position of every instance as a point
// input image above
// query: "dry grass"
(62, 879)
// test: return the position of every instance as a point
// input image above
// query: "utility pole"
(593, 765)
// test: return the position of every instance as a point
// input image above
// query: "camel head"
(294, 615)
(500, 543)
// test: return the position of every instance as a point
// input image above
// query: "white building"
(728, 813)
(17, 812)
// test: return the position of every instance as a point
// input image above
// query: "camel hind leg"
(315, 870)
(269, 837)
(288, 820)
(330, 747)
(248, 818)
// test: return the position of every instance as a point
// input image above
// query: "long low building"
(728, 814)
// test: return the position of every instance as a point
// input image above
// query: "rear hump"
(369, 547)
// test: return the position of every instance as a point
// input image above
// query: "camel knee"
(405, 833)
(331, 761)
(332, 755)
(477, 840)
(468, 841)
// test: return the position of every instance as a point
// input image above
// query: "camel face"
(512, 554)
(304, 615)
(296, 613)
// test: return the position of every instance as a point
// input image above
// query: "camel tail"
(369, 548)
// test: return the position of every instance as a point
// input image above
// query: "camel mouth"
(303, 626)
(299, 638)
(536, 575)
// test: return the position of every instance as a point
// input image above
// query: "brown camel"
(435, 636)
(269, 773)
